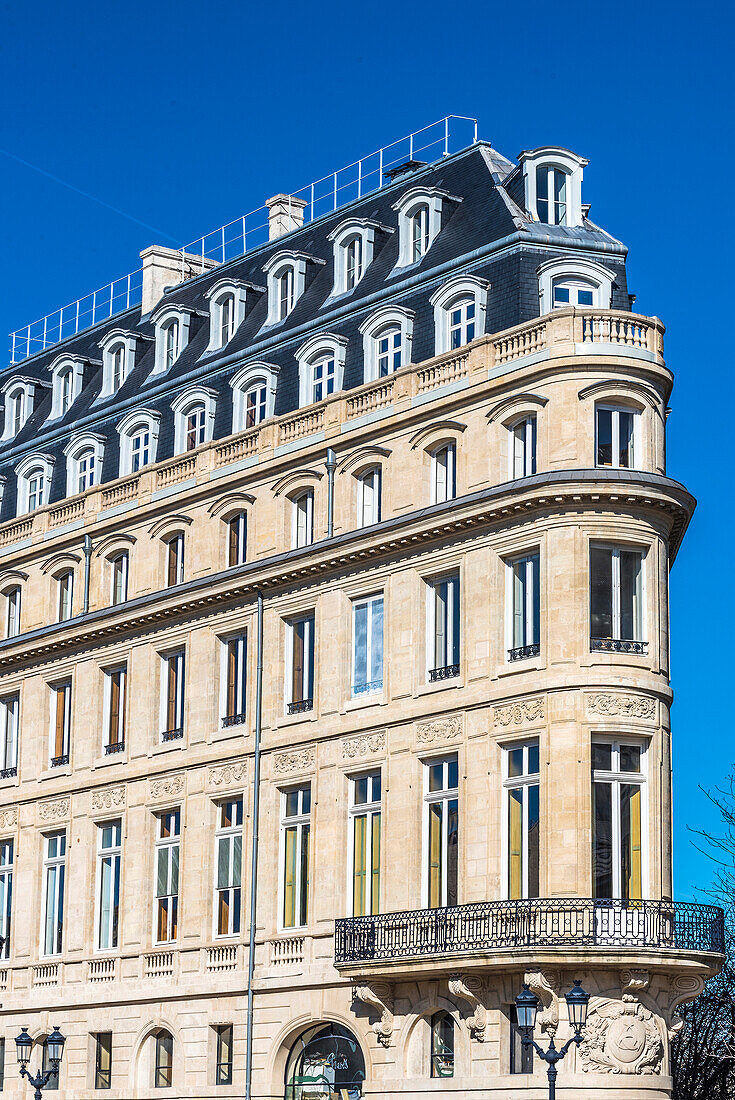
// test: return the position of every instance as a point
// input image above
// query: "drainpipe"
(87, 566)
(331, 465)
(254, 858)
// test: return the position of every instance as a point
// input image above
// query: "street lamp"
(55, 1046)
(526, 1009)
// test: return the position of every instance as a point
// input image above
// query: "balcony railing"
(538, 923)
(172, 735)
(60, 761)
(234, 720)
(8, 773)
(116, 746)
(618, 645)
(446, 672)
(523, 651)
(300, 706)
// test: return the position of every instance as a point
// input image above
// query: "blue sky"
(184, 116)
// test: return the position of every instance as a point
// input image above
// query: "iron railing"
(446, 672)
(618, 645)
(113, 747)
(300, 706)
(172, 735)
(522, 651)
(60, 761)
(234, 720)
(535, 923)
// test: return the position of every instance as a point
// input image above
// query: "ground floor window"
(325, 1063)
(442, 1045)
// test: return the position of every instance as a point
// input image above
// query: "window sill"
(113, 758)
(523, 664)
(168, 746)
(302, 716)
(370, 699)
(10, 780)
(54, 773)
(428, 688)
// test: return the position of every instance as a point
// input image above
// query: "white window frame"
(167, 843)
(446, 475)
(367, 809)
(361, 231)
(65, 686)
(532, 561)
(552, 156)
(606, 406)
(179, 655)
(137, 421)
(407, 205)
(514, 783)
(446, 795)
(216, 296)
(248, 377)
(278, 265)
(65, 366)
(309, 647)
(372, 687)
(373, 329)
(9, 729)
(615, 548)
(34, 466)
(369, 496)
(13, 605)
(193, 398)
(297, 821)
(111, 855)
(445, 298)
(163, 318)
(302, 516)
(121, 671)
(431, 587)
(57, 862)
(22, 391)
(64, 595)
(78, 446)
(228, 834)
(599, 279)
(319, 349)
(617, 777)
(526, 463)
(112, 341)
(124, 557)
(241, 686)
(7, 866)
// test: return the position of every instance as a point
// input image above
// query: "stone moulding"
(228, 775)
(543, 985)
(470, 989)
(379, 997)
(9, 817)
(298, 760)
(171, 786)
(618, 705)
(366, 744)
(56, 809)
(523, 710)
(111, 798)
(440, 729)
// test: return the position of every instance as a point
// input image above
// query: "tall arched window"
(171, 343)
(138, 440)
(442, 1045)
(321, 367)
(253, 395)
(353, 262)
(419, 230)
(386, 339)
(194, 411)
(551, 195)
(226, 319)
(285, 285)
(325, 1062)
(34, 482)
(459, 312)
(117, 356)
(84, 454)
(19, 396)
(16, 410)
(66, 382)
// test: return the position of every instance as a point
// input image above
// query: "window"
(443, 633)
(19, 399)
(2, 1064)
(521, 1056)
(354, 244)
(6, 894)
(65, 595)
(226, 319)
(521, 782)
(163, 1073)
(322, 380)
(16, 411)
(441, 779)
(67, 380)
(171, 334)
(237, 539)
(367, 646)
(119, 348)
(302, 510)
(553, 185)
(229, 866)
(443, 474)
(551, 195)
(615, 431)
(365, 796)
(223, 1067)
(300, 686)
(194, 411)
(285, 285)
(84, 456)
(9, 708)
(522, 450)
(389, 351)
(419, 230)
(369, 486)
(387, 335)
(103, 1060)
(173, 697)
(167, 876)
(255, 404)
(60, 724)
(119, 577)
(196, 423)
(460, 306)
(140, 449)
(171, 343)
(227, 307)
(574, 282)
(295, 817)
(419, 222)
(618, 779)
(616, 599)
(570, 293)
(442, 1045)
(321, 367)
(235, 654)
(175, 559)
(34, 482)
(115, 692)
(461, 323)
(253, 395)
(52, 931)
(12, 611)
(117, 357)
(138, 433)
(47, 1066)
(108, 884)
(524, 607)
(85, 471)
(286, 275)
(353, 262)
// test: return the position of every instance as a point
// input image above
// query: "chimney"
(285, 213)
(165, 267)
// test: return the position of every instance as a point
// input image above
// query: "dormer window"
(17, 404)
(580, 283)
(140, 448)
(226, 319)
(459, 312)
(553, 182)
(354, 246)
(171, 342)
(67, 379)
(19, 400)
(419, 226)
(117, 355)
(461, 322)
(386, 335)
(420, 212)
(551, 195)
(118, 359)
(228, 301)
(353, 262)
(253, 395)
(138, 440)
(34, 482)
(193, 418)
(286, 297)
(286, 272)
(84, 454)
(65, 383)
(321, 367)
(172, 335)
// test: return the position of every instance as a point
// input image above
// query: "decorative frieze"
(111, 798)
(9, 817)
(440, 729)
(366, 744)
(624, 706)
(297, 760)
(170, 786)
(228, 775)
(56, 809)
(523, 710)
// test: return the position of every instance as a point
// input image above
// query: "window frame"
(407, 206)
(446, 795)
(306, 702)
(115, 691)
(237, 644)
(7, 868)
(9, 733)
(617, 643)
(122, 556)
(138, 422)
(528, 459)
(63, 711)
(34, 468)
(531, 612)
(369, 496)
(444, 300)
(64, 595)
(437, 673)
(225, 1078)
(636, 442)
(203, 401)
(168, 844)
(371, 810)
(306, 495)
(256, 374)
(53, 863)
(173, 666)
(450, 492)
(301, 823)
(387, 318)
(102, 1075)
(112, 855)
(319, 351)
(372, 686)
(228, 834)
(524, 782)
(618, 778)
(13, 609)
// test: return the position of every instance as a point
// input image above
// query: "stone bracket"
(379, 997)
(470, 989)
(542, 985)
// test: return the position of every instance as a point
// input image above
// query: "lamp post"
(24, 1045)
(526, 1009)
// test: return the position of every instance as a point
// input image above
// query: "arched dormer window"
(286, 273)
(228, 301)
(118, 359)
(84, 455)
(553, 183)
(138, 433)
(34, 474)
(321, 367)
(193, 411)
(387, 336)
(578, 282)
(19, 396)
(459, 312)
(171, 323)
(253, 395)
(67, 379)
(354, 246)
(420, 211)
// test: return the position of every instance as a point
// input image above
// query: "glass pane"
(435, 855)
(515, 763)
(630, 842)
(533, 842)
(292, 803)
(626, 422)
(436, 772)
(600, 592)
(604, 437)
(515, 841)
(630, 758)
(452, 775)
(361, 791)
(602, 849)
(630, 568)
(533, 759)
(452, 851)
(602, 758)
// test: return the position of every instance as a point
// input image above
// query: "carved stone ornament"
(621, 1038)
(470, 989)
(298, 760)
(228, 775)
(111, 798)
(55, 810)
(441, 729)
(171, 786)
(543, 986)
(635, 981)
(684, 987)
(525, 710)
(9, 817)
(379, 997)
(627, 706)
(367, 744)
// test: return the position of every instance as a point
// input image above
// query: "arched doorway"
(325, 1063)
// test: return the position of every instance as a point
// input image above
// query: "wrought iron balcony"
(172, 735)
(447, 672)
(522, 651)
(300, 706)
(233, 720)
(618, 645)
(115, 746)
(8, 773)
(60, 761)
(489, 926)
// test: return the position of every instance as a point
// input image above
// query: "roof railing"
(430, 144)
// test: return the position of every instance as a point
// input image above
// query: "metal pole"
(331, 465)
(552, 1081)
(254, 860)
(87, 569)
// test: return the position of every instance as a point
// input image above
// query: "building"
(362, 534)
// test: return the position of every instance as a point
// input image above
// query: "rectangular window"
(443, 655)
(223, 1072)
(295, 823)
(521, 782)
(443, 481)
(2, 1064)
(441, 800)
(615, 431)
(521, 1057)
(12, 612)
(235, 651)
(6, 894)
(367, 645)
(237, 539)
(60, 739)
(103, 1060)
(229, 866)
(119, 578)
(65, 584)
(365, 817)
(108, 884)
(302, 533)
(9, 710)
(616, 599)
(300, 686)
(389, 351)
(47, 1066)
(173, 667)
(618, 779)
(523, 448)
(175, 560)
(524, 607)
(163, 1074)
(368, 497)
(54, 867)
(167, 876)
(115, 692)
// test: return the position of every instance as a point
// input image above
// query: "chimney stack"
(285, 213)
(164, 267)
